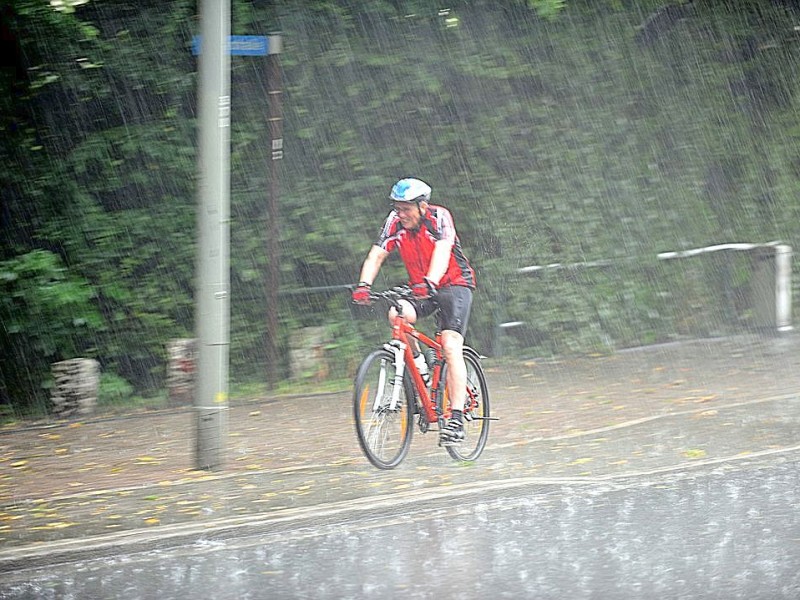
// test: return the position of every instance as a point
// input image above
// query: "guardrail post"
(771, 287)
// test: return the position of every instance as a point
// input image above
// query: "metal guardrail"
(772, 278)
(316, 290)
(610, 262)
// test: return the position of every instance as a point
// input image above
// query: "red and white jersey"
(416, 246)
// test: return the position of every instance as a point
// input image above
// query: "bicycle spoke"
(476, 413)
(380, 434)
(384, 433)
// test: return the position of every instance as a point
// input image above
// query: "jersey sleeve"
(388, 236)
(445, 227)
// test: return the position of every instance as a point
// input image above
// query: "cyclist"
(439, 275)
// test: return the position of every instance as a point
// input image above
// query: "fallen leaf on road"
(706, 398)
(55, 525)
(146, 459)
(706, 413)
(694, 453)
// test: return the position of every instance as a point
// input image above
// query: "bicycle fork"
(397, 348)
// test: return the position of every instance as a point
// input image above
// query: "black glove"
(424, 290)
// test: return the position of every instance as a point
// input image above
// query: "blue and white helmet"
(410, 190)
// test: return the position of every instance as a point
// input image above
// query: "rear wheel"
(476, 412)
(384, 424)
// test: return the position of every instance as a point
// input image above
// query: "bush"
(114, 390)
(48, 316)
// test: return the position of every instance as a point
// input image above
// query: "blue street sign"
(243, 45)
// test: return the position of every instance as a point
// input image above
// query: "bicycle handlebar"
(394, 295)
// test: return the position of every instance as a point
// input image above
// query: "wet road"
(724, 531)
(668, 472)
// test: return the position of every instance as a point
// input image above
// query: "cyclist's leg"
(409, 312)
(409, 315)
(453, 347)
(455, 303)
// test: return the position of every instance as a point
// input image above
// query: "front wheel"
(476, 412)
(384, 422)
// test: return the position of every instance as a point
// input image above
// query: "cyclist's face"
(409, 213)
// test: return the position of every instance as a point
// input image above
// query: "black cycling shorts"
(454, 303)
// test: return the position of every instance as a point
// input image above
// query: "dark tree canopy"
(557, 132)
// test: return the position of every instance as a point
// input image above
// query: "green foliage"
(47, 315)
(113, 390)
(549, 9)
(557, 132)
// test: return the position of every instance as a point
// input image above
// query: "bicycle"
(389, 391)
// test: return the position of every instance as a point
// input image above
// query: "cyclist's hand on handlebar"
(425, 290)
(361, 294)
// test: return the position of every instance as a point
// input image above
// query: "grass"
(254, 391)
(115, 400)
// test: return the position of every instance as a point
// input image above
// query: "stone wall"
(308, 350)
(76, 384)
(181, 367)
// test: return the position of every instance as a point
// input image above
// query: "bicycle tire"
(384, 434)
(476, 418)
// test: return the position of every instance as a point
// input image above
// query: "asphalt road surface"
(725, 531)
(668, 472)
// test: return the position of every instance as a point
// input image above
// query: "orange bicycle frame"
(402, 331)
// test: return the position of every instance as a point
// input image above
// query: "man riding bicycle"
(439, 275)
